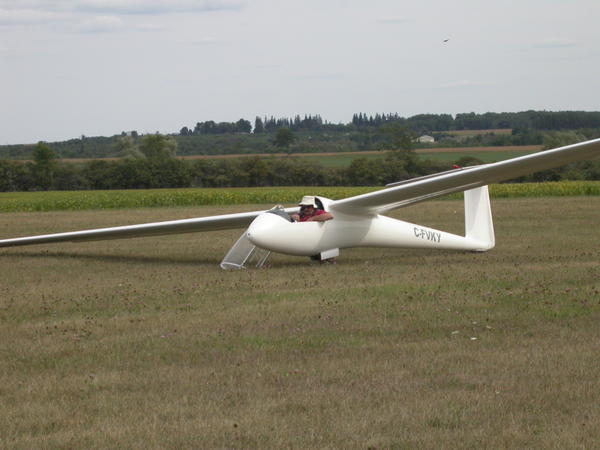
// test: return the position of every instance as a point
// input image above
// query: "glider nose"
(272, 232)
(263, 229)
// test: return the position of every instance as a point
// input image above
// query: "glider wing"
(221, 222)
(423, 188)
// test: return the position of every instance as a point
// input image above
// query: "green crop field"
(147, 343)
(86, 200)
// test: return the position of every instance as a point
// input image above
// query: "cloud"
(149, 27)
(99, 16)
(101, 24)
(156, 6)
(207, 40)
(321, 76)
(464, 84)
(117, 7)
(555, 42)
(25, 17)
(392, 20)
(110, 24)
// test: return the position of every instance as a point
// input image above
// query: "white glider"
(358, 221)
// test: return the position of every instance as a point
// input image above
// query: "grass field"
(343, 159)
(486, 157)
(450, 155)
(147, 343)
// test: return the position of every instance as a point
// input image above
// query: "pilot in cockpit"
(310, 212)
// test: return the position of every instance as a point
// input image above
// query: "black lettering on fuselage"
(428, 235)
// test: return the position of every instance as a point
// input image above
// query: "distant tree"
(399, 139)
(396, 167)
(207, 127)
(8, 175)
(243, 126)
(257, 171)
(127, 147)
(271, 124)
(100, 174)
(562, 138)
(45, 165)
(158, 146)
(69, 177)
(166, 173)
(284, 138)
(364, 172)
(259, 126)
(397, 136)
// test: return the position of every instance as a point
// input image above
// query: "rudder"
(478, 218)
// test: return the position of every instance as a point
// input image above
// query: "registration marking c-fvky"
(428, 235)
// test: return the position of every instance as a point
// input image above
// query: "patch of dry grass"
(146, 342)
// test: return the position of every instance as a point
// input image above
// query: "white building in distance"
(425, 139)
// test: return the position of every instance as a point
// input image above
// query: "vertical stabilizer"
(478, 218)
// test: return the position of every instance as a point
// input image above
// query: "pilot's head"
(308, 203)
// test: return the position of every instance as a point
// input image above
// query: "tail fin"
(478, 218)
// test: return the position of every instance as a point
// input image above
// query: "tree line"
(517, 121)
(151, 163)
(303, 142)
(261, 125)
(420, 123)
(212, 127)
(313, 134)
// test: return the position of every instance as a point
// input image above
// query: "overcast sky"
(99, 67)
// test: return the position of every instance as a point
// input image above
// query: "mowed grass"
(148, 343)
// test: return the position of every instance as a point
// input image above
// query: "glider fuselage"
(275, 233)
